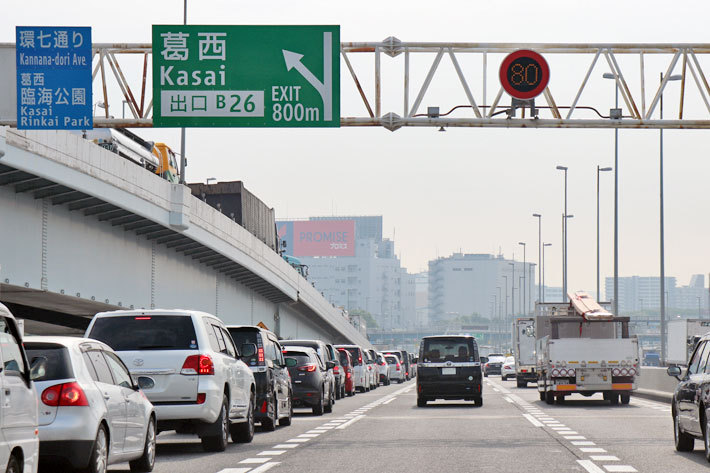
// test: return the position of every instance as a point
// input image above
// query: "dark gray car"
(324, 353)
(310, 379)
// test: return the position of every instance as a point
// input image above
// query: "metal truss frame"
(638, 112)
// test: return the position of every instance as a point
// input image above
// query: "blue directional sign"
(54, 78)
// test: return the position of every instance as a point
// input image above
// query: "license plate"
(448, 370)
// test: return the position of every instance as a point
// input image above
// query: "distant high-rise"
(467, 284)
(353, 266)
(638, 293)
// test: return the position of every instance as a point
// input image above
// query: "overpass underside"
(83, 230)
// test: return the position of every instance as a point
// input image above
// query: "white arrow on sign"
(325, 88)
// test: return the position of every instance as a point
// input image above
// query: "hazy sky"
(467, 189)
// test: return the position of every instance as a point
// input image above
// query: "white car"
(360, 374)
(507, 369)
(188, 366)
(92, 413)
(19, 442)
(396, 369)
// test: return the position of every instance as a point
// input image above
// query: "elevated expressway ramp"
(83, 230)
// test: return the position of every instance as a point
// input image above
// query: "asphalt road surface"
(384, 431)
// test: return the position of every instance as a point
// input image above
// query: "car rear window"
(354, 354)
(391, 360)
(299, 356)
(242, 336)
(157, 332)
(48, 361)
(449, 349)
(343, 357)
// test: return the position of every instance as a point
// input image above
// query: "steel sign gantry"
(627, 63)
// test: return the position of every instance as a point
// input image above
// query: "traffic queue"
(85, 403)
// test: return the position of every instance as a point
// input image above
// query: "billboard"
(318, 237)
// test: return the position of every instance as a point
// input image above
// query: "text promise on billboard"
(246, 76)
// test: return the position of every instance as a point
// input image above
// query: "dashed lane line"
(349, 423)
(254, 461)
(590, 466)
(541, 419)
(286, 445)
(264, 467)
(273, 453)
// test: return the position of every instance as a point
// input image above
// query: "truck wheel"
(549, 397)
(625, 398)
(614, 398)
(542, 395)
(421, 402)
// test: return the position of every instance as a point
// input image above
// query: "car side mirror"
(330, 365)
(674, 371)
(248, 350)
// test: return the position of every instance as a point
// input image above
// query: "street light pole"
(539, 256)
(599, 169)
(505, 316)
(543, 269)
(183, 161)
(609, 75)
(664, 327)
(564, 237)
(524, 305)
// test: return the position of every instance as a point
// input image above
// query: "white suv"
(188, 367)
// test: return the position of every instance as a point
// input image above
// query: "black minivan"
(691, 413)
(449, 368)
(273, 383)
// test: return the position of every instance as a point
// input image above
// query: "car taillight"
(347, 375)
(486, 365)
(197, 365)
(201, 398)
(310, 367)
(398, 367)
(66, 394)
(260, 355)
(359, 359)
(335, 369)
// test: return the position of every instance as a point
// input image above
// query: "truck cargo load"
(235, 201)
(583, 348)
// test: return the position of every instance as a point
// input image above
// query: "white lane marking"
(339, 421)
(234, 470)
(496, 390)
(575, 437)
(582, 442)
(567, 432)
(316, 431)
(297, 440)
(349, 423)
(560, 428)
(620, 468)
(308, 436)
(590, 466)
(286, 445)
(271, 452)
(604, 458)
(254, 461)
(532, 420)
(264, 467)
(592, 450)
(388, 401)
(508, 399)
(326, 427)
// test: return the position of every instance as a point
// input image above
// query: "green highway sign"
(246, 76)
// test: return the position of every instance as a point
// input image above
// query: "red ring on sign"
(508, 87)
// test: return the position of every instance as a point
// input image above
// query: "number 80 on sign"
(524, 74)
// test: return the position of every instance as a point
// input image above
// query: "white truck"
(682, 337)
(524, 351)
(582, 348)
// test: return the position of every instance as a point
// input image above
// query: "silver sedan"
(91, 413)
